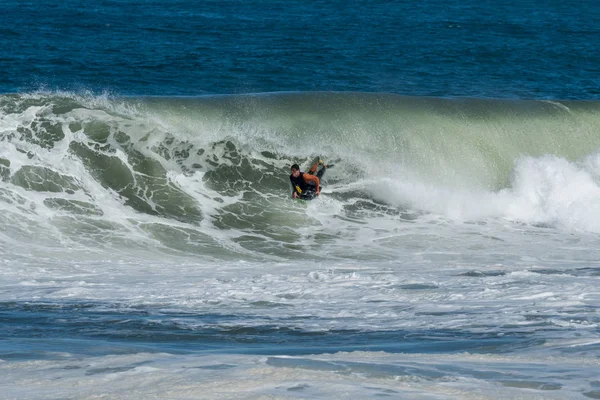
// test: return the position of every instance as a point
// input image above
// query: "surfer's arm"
(295, 190)
(313, 178)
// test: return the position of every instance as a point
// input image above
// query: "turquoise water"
(147, 237)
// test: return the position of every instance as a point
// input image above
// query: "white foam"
(545, 190)
(554, 191)
(470, 259)
(341, 375)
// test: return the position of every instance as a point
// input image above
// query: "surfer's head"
(295, 170)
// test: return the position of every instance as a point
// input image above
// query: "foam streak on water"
(151, 243)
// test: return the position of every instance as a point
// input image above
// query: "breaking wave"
(210, 173)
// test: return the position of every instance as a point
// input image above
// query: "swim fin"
(321, 162)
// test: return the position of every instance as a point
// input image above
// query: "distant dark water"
(26, 327)
(529, 49)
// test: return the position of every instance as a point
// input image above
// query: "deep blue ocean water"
(526, 49)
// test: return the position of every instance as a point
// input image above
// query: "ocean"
(150, 248)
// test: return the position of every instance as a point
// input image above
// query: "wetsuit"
(305, 184)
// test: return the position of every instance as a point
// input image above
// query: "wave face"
(209, 175)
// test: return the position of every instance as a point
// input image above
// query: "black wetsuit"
(305, 190)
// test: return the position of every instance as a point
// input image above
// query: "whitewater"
(150, 248)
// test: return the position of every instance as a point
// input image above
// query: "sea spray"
(193, 174)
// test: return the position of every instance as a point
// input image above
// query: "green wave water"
(223, 161)
(433, 137)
